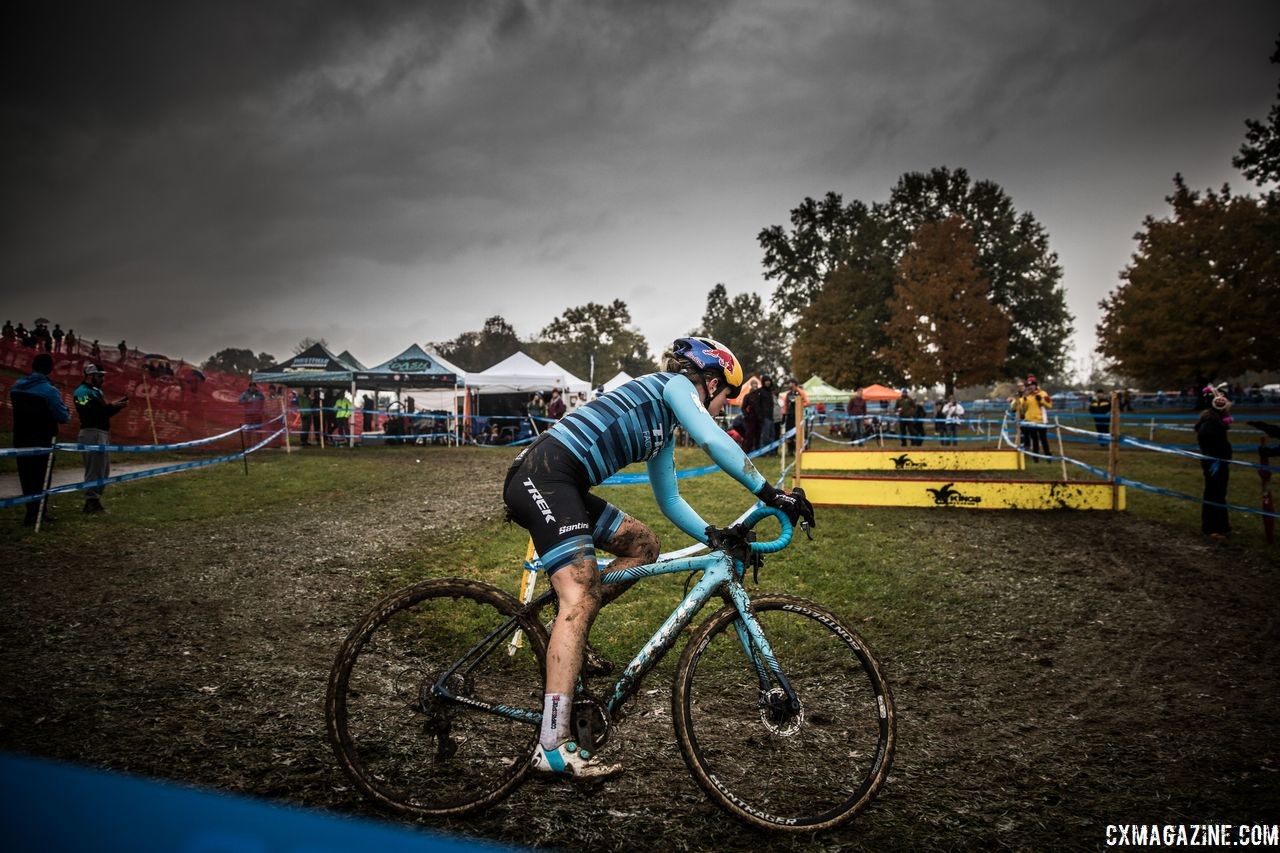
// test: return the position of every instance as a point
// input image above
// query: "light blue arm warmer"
(686, 404)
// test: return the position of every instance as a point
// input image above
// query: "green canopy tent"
(820, 392)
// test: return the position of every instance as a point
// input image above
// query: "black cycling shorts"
(547, 492)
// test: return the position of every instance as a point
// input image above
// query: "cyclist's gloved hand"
(794, 504)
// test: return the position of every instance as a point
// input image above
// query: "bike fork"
(757, 649)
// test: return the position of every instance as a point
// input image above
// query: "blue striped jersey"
(629, 424)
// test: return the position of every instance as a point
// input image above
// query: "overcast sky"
(193, 176)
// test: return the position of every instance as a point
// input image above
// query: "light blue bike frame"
(720, 571)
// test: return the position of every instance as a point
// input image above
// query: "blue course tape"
(137, 475)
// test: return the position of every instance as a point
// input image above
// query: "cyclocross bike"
(781, 711)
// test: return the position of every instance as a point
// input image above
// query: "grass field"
(1054, 671)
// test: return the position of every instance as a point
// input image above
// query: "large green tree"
(1259, 157)
(478, 350)
(1199, 300)
(818, 243)
(239, 361)
(943, 328)
(595, 341)
(743, 324)
(840, 335)
(1013, 254)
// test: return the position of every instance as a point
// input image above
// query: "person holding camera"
(95, 415)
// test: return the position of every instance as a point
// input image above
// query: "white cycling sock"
(556, 708)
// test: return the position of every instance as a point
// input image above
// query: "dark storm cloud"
(245, 142)
(278, 164)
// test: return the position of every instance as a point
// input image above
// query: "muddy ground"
(1119, 671)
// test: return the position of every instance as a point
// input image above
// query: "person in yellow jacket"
(342, 415)
(1035, 417)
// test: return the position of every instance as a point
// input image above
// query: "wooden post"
(1113, 456)
(799, 403)
(320, 415)
(146, 389)
(1152, 435)
(1062, 453)
(284, 413)
(44, 497)
(528, 580)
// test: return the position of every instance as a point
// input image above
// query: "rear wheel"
(765, 762)
(415, 752)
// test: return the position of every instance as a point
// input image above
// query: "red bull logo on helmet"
(725, 358)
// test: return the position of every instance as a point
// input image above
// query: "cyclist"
(547, 491)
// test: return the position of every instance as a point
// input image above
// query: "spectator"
(537, 408)
(22, 335)
(43, 339)
(73, 345)
(309, 415)
(953, 414)
(342, 414)
(1211, 435)
(57, 335)
(556, 408)
(8, 331)
(906, 412)
(253, 401)
(37, 411)
(750, 417)
(95, 415)
(124, 351)
(1100, 409)
(366, 413)
(1035, 416)
(766, 402)
(857, 412)
(794, 393)
(95, 352)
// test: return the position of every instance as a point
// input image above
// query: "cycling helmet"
(705, 354)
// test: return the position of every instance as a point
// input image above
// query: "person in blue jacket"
(547, 491)
(37, 411)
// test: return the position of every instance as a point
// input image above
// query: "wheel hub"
(777, 714)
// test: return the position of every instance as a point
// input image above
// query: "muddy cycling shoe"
(595, 664)
(567, 761)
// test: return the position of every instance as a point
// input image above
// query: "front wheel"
(767, 763)
(407, 747)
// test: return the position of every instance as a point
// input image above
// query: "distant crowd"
(41, 338)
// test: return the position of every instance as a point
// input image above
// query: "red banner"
(169, 401)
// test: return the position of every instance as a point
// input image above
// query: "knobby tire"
(808, 772)
(412, 752)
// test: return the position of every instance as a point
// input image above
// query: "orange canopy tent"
(879, 392)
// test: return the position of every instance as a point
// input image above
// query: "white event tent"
(520, 373)
(621, 379)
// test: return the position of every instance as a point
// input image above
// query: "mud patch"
(1092, 669)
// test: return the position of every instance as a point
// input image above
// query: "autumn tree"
(1013, 254)
(743, 324)
(477, 350)
(1199, 300)
(943, 328)
(595, 341)
(238, 361)
(307, 343)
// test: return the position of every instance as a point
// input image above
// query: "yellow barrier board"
(964, 494)
(907, 459)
